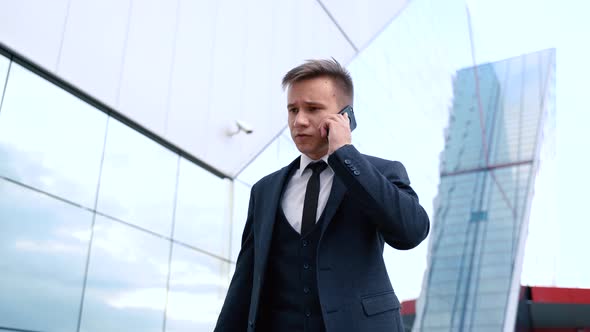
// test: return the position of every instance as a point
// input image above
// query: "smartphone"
(348, 110)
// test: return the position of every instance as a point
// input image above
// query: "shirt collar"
(305, 160)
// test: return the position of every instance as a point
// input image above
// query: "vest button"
(307, 313)
(306, 266)
(306, 290)
(304, 243)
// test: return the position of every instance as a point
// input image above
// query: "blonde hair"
(322, 67)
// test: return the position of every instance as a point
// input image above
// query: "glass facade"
(101, 227)
(488, 170)
(43, 253)
(42, 130)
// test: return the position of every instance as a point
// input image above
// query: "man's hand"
(336, 127)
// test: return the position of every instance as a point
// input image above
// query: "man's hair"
(323, 67)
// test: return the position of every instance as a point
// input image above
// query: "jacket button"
(357, 173)
(307, 313)
(347, 161)
(306, 290)
(306, 266)
(304, 243)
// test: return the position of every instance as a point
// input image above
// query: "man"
(312, 248)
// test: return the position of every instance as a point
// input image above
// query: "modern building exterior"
(187, 70)
(122, 196)
(488, 170)
(540, 309)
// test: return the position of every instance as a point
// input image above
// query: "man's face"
(309, 102)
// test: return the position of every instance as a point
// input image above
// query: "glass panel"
(50, 139)
(43, 251)
(4, 65)
(202, 209)
(126, 288)
(198, 284)
(138, 179)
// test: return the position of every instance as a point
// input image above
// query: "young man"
(312, 248)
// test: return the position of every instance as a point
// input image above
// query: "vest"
(289, 298)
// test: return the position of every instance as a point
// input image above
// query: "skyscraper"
(487, 177)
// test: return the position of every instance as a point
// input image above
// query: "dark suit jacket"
(371, 203)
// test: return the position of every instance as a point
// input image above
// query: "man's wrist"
(340, 147)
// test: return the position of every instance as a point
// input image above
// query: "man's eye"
(313, 109)
(292, 110)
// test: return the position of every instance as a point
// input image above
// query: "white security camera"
(244, 127)
(239, 126)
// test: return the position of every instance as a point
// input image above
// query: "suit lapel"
(272, 199)
(334, 200)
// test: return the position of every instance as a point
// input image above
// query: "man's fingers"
(324, 127)
(330, 120)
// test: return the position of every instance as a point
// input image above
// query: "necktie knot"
(318, 167)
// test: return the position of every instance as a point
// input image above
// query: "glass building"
(499, 116)
(101, 226)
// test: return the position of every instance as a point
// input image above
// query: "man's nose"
(301, 119)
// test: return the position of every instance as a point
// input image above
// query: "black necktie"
(312, 193)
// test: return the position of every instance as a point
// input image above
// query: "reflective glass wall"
(488, 171)
(101, 227)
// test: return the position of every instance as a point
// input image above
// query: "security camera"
(244, 127)
(238, 126)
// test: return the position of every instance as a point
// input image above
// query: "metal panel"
(34, 28)
(148, 60)
(191, 75)
(93, 47)
(361, 20)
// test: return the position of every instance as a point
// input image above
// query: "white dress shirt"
(294, 194)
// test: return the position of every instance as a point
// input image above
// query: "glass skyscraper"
(487, 176)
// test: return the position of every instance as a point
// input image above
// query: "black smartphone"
(348, 110)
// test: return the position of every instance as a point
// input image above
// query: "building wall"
(488, 171)
(187, 70)
(102, 228)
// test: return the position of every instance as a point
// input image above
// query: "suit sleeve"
(234, 313)
(385, 194)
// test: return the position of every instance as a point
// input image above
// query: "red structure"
(541, 309)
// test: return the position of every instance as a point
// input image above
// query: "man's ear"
(344, 101)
